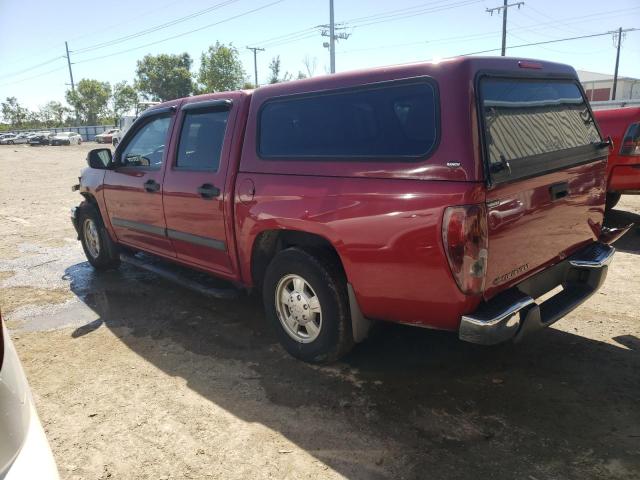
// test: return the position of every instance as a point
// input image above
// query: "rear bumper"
(514, 314)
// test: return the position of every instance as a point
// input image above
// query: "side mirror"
(99, 158)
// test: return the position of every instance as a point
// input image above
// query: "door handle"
(559, 190)
(208, 191)
(151, 186)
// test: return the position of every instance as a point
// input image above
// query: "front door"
(133, 188)
(194, 185)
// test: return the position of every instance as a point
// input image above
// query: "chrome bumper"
(514, 314)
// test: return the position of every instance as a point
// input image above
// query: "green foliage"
(164, 77)
(221, 69)
(13, 112)
(90, 99)
(124, 99)
(53, 114)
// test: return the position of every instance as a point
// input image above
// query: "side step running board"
(168, 274)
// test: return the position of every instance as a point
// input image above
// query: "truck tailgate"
(546, 169)
(531, 228)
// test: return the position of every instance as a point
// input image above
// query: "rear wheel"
(98, 247)
(305, 300)
(612, 200)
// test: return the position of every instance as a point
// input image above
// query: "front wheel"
(115, 142)
(98, 247)
(305, 299)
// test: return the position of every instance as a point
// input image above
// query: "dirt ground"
(136, 378)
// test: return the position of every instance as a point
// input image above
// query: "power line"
(155, 28)
(538, 43)
(43, 74)
(181, 34)
(13, 74)
(402, 16)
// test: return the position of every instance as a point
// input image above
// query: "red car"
(449, 195)
(623, 172)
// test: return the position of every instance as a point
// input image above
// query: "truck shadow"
(630, 241)
(407, 403)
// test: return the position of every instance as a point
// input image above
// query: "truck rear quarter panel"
(386, 232)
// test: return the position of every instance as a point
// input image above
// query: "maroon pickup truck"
(449, 195)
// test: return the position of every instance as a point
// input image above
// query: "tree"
(274, 66)
(221, 69)
(164, 77)
(90, 99)
(310, 65)
(13, 112)
(124, 99)
(59, 112)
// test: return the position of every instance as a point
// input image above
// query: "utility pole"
(505, 6)
(255, 62)
(73, 87)
(332, 38)
(330, 31)
(618, 36)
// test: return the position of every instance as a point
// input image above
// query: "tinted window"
(201, 140)
(524, 118)
(384, 121)
(146, 147)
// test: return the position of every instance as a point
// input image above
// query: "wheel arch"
(268, 243)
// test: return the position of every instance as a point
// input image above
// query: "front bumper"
(74, 220)
(514, 314)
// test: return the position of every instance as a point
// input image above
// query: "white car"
(66, 138)
(24, 449)
(14, 139)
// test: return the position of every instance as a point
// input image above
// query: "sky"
(107, 38)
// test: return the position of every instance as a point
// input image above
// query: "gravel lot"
(136, 378)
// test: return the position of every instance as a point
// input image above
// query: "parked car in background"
(446, 195)
(15, 139)
(107, 137)
(41, 138)
(66, 138)
(623, 170)
(24, 450)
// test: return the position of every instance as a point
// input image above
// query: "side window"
(146, 148)
(398, 120)
(201, 140)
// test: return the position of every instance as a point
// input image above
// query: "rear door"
(133, 188)
(194, 186)
(546, 169)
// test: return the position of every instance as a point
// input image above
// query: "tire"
(612, 200)
(10, 142)
(101, 252)
(324, 301)
(115, 142)
(79, 141)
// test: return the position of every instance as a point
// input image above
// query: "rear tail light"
(465, 238)
(631, 140)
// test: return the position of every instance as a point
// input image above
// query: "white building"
(599, 86)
